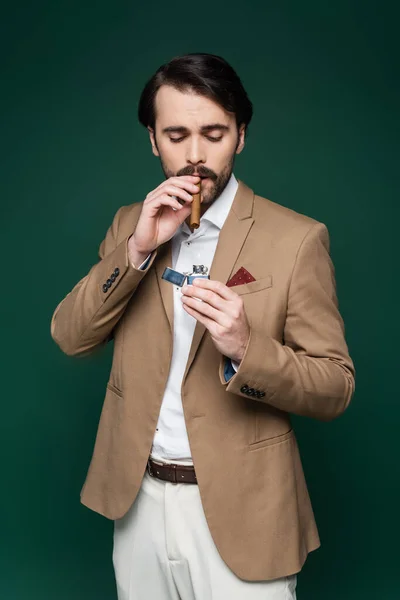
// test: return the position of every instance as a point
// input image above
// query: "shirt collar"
(220, 208)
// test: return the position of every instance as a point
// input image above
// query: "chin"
(208, 199)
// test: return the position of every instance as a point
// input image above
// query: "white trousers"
(163, 550)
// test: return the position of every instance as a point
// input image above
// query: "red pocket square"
(240, 277)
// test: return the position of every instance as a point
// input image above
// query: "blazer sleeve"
(87, 315)
(311, 372)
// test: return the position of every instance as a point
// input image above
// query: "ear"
(153, 141)
(241, 142)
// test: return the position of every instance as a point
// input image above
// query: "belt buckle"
(148, 468)
(173, 466)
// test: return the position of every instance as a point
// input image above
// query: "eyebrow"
(203, 129)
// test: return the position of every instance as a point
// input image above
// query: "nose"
(195, 153)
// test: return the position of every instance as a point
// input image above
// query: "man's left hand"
(221, 312)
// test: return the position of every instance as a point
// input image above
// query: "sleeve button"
(105, 288)
(244, 389)
(116, 271)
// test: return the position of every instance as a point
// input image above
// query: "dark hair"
(205, 74)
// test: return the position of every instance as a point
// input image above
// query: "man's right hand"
(161, 215)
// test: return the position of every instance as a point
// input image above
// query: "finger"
(172, 190)
(183, 213)
(154, 205)
(206, 310)
(188, 187)
(207, 322)
(231, 307)
(186, 182)
(186, 179)
(217, 287)
(208, 296)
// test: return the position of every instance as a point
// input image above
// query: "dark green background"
(323, 81)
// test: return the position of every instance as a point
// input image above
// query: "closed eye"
(209, 137)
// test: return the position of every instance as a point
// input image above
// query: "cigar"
(195, 214)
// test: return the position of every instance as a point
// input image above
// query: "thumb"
(183, 213)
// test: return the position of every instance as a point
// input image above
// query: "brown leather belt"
(172, 473)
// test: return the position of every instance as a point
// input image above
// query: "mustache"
(202, 171)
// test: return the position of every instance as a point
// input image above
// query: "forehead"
(186, 108)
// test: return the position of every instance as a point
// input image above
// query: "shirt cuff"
(144, 264)
(230, 369)
(235, 364)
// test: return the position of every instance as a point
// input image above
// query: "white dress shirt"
(198, 248)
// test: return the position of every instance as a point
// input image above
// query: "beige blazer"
(244, 449)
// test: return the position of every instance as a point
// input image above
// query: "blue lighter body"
(179, 279)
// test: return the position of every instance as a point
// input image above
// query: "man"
(195, 457)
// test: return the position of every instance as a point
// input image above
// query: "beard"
(219, 180)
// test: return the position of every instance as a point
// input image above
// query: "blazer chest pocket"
(253, 286)
(255, 296)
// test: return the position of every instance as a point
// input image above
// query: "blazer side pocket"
(278, 439)
(114, 389)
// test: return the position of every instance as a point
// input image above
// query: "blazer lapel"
(164, 259)
(230, 242)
